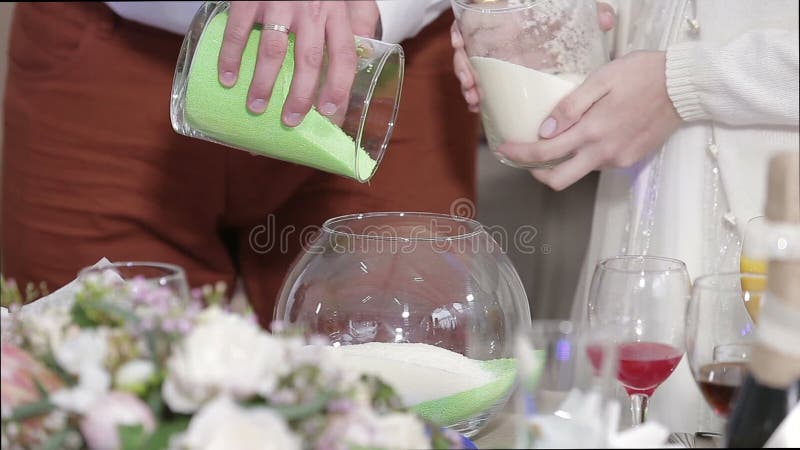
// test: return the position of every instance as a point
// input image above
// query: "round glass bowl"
(428, 302)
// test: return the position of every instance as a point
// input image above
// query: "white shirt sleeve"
(400, 19)
(403, 19)
(753, 80)
(170, 16)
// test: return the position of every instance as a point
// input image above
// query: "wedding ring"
(275, 27)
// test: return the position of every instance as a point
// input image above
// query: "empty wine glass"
(718, 333)
(165, 276)
(565, 386)
(644, 299)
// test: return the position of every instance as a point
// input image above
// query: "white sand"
(418, 372)
(515, 100)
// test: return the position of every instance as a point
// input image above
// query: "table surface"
(499, 433)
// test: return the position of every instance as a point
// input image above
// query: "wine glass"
(753, 260)
(644, 299)
(718, 334)
(565, 389)
(168, 277)
(428, 302)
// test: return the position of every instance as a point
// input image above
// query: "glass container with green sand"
(427, 302)
(201, 107)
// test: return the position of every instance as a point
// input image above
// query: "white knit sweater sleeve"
(753, 80)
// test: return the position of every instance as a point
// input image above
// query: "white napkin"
(584, 420)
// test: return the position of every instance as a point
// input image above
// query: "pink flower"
(100, 424)
(18, 376)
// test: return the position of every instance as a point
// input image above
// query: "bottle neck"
(776, 362)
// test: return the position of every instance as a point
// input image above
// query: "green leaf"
(56, 441)
(80, 316)
(159, 440)
(116, 313)
(29, 410)
(50, 361)
(154, 401)
(440, 441)
(304, 410)
(132, 437)
(43, 394)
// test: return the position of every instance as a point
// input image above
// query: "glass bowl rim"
(476, 227)
(703, 282)
(675, 264)
(173, 271)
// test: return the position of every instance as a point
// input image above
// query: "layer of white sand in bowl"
(417, 372)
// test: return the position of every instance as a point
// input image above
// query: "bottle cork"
(775, 363)
(783, 206)
(783, 188)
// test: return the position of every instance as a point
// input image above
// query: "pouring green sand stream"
(221, 113)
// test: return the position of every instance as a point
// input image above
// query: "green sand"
(222, 114)
(464, 405)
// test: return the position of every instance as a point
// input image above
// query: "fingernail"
(228, 78)
(470, 97)
(292, 119)
(454, 39)
(462, 77)
(328, 109)
(548, 127)
(258, 105)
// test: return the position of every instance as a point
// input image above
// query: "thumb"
(364, 18)
(572, 107)
(605, 16)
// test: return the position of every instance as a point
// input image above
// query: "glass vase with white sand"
(428, 302)
(527, 55)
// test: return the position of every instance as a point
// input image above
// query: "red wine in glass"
(643, 366)
(720, 383)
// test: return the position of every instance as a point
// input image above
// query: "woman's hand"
(605, 18)
(319, 26)
(617, 116)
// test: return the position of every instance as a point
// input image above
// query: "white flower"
(224, 353)
(401, 430)
(100, 424)
(364, 428)
(44, 328)
(6, 326)
(82, 348)
(222, 425)
(93, 382)
(134, 375)
(82, 353)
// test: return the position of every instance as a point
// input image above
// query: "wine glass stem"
(638, 408)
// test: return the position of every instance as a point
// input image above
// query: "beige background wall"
(507, 198)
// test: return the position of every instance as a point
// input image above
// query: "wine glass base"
(696, 440)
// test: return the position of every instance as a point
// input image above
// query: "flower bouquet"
(132, 365)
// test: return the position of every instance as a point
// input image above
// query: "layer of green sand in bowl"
(465, 405)
(222, 112)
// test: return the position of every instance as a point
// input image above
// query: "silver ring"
(275, 27)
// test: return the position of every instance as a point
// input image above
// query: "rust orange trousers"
(92, 168)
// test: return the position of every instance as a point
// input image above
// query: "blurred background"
(508, 198)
